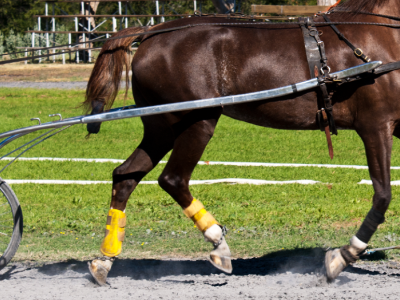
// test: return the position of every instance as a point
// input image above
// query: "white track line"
(97, 160)
(223, 163)
(369, 182)
(192, 182)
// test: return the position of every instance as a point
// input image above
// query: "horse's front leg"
(378, 146)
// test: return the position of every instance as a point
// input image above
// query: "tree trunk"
(326, 2)
(90, 8)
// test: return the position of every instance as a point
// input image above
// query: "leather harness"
(317, 62)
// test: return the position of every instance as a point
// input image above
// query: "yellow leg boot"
(220, 257)
(111, 246)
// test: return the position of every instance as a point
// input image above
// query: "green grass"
(68, 221)
(261, 219)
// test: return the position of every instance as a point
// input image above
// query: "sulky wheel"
(10, 224)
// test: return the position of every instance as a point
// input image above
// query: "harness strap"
(318, 65)
(357, 51)
(312, 50)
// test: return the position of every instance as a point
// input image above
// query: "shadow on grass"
(297, 261)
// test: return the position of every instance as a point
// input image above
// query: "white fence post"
(47, 28)
(326, 2)
(33, 44)
(89, 29)
(126, 13)
(40, 51)
(54, 35)
(157, 9)
(120, 13)
(69, 45)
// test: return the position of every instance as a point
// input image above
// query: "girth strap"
(317, 61)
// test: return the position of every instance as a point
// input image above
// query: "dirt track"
(80, 85)
(260, 278)
(45, 85)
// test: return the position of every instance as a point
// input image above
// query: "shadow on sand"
(298, 261)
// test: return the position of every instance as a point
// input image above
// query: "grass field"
(68, 221)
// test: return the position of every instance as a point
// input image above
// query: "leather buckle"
(358, 52)
(325, 68)
(313, 32)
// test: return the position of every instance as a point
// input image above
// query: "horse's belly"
(285, 114)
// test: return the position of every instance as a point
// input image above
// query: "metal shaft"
(196, 104)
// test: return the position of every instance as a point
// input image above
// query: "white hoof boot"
(99, 269)
(220, 257)
(338, 259)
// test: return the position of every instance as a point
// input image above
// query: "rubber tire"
(18, 224)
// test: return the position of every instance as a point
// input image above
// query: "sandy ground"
(258, 278)
(81, 85)
(45, 85)
(45, 72)
(46, 76)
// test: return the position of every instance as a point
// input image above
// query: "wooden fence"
(288, 11)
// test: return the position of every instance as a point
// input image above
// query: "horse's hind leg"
(157, 141)
(378, 141)
(187, 150)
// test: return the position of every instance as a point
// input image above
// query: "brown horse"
(219, 59)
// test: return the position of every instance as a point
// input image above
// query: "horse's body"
(217, 60)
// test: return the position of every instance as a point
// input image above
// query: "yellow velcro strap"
(202, 218)
(206, 222)
(199, 215)
(122, 222)
(121, 236)
(193, 208)
(115, 233)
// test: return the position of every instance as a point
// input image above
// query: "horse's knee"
(172, 183)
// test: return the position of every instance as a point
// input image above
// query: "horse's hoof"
(334, 264)
(222, 263)
(99, 269)
(220, 257)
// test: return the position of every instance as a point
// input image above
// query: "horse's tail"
(104, 82)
